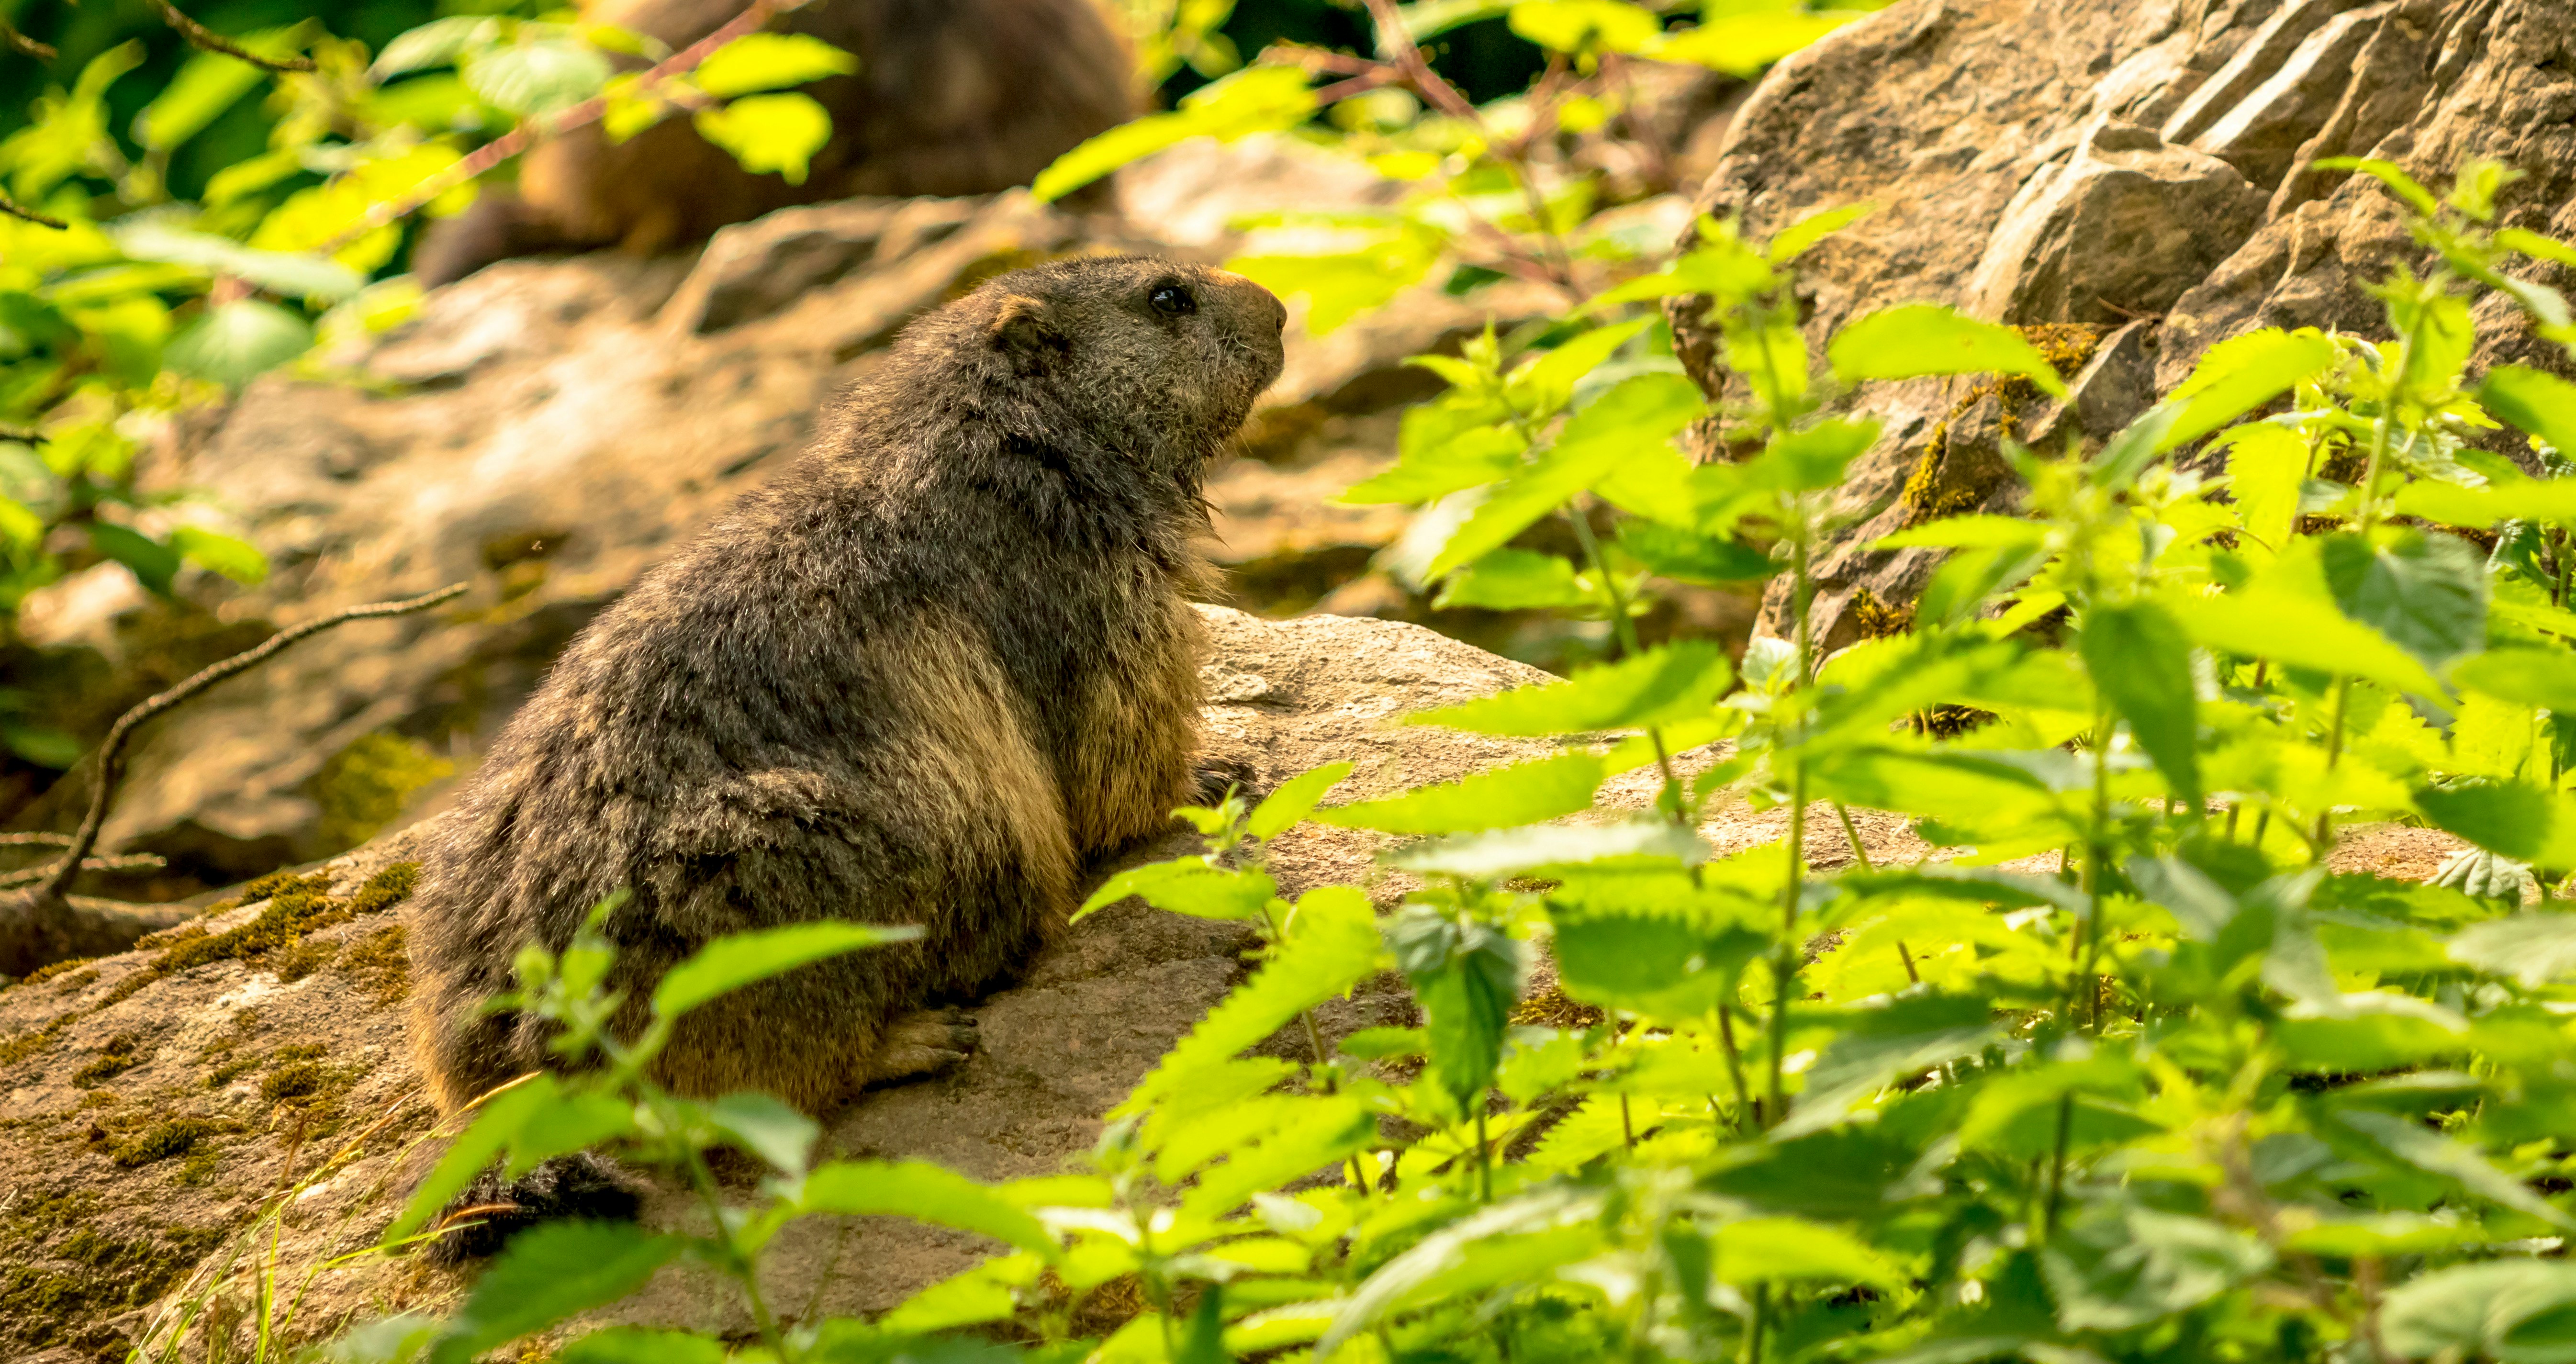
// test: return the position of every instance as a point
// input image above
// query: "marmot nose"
(1259, 311)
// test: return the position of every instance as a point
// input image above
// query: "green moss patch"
(365, 785)
(161, 1141)
(116, 1056)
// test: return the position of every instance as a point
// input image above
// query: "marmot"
(951, 97)
(944, 657)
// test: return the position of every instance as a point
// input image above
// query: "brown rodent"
(919, 678)
(951, 97)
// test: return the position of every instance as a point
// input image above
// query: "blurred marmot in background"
(917, 679)
(951, 97)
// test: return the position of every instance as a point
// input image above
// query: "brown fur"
(921, 677)
(951, 97)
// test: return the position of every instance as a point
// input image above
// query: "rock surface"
(2102, 161)
(152, 1109)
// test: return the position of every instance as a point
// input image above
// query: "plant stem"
(2334, 753)
(1860, 854)
(2057, 1165)
(1625, 629)
(1484, 1157)
(1734, 1065)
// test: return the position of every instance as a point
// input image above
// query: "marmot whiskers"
(917, 679)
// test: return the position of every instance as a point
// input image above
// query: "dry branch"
(198, 35)
(12, 38)
(39, 926)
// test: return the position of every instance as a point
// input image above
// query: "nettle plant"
(122, 306)
(2125, 1072)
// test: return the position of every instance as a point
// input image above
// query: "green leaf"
(766, 1128)
(152, 563)
(1663, 685)
(1515, 580)
(539, 76)
(769, 61)
(769, 132)
(2510, 817)
(440, 42)
(1294, 800)
(1187, 885)
(1922, 338)
(2140, 660)
(1502, 797)
(2241, 374)
(1585, 26)
(923, 1192)
(2387, 173)
(1527, 851)
(474, 1148)
(732, 962)
(234, 343)
(2265, 465)
(1543, 386)
(2541, 678)
(1439, 1265)
(2436, 1154)
(1467, 976)
(1659, 965)
(238, 560)
(547, 1274)
(2534, 949)
(1788, 1249)
(209, 83)
(1685, 557)
(1812, 457)
(2119, 1268)
(1642, 411)
(2518, 1311)
(1799, 237)
(2271, 621)
(1332, 944)
(637, 1345)
(2426, 592)
(1255, 99)
(1437, 463)
(2542, 404)
(573, 1122)
(1741, 44)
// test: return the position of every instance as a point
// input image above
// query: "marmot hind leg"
(923, 1044)
(492, 1210)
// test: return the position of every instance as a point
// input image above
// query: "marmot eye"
(1172, 299)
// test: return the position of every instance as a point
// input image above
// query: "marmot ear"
(1026, 327)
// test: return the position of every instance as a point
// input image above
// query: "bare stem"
(111, 753)
(20, 42)
(519, 139)
(198, 35)
(15, 209)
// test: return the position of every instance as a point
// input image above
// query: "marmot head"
(1152, 359)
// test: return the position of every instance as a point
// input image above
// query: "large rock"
(156, 1100)
(545, 429)
(2102, 161)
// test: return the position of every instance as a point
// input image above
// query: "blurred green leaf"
(1523, 793)
(769, 61)
(1922, 338)
(1256, 99)
(1294, 800)
(732, 962)
(234, 343)
(2141, 660)
(1663, 685)
(547, 1274)
(769, 132)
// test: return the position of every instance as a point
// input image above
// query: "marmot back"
(951, 97)
(920, 677)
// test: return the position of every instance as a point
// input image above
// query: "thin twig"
(1397, 41)
(39, 840)
(519, 139)
(198, 35)
(13, 38)
(119, 862)
(111, 752)
(18, 210)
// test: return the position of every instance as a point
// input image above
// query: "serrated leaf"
(1256, 99)
(1294, 799)
(2542, 404)
(2275, 623)
(1799, 237)
(1641, 411)
(1686, 557)
(1434, 468)
(234, 343)
(732, 962)
(1922, 338)
(547, 1274)
(923, 1192)
(1515, 580)
(2518, 1311)
(2542, 678)
(1503, 797)
(1663, 685)
(1789, 1249)
(540, 76)
(1332, 945)
(769, 61)
(768, 133)
(2534, 948)
(766, 1128)
(2140, 661)
(2440, 1155)
(474, 1148)
(2241, 374)
(1526, 851)
(573, 1122)
(2428, 593)
(1661, 966)
(436, 43)
(1187, 885)
(2510, 817)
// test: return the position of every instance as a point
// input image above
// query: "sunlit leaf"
(1922, 338)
